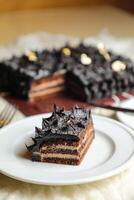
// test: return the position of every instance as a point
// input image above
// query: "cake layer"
(47, 83)
(46, 93)
(47, 86)
(62, 161)
(68, 155)
(69, 161)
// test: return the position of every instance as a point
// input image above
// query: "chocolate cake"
(87, 71)
(64, 138)
(33, 75)
(99, 73)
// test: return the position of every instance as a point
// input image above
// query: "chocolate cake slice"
(33, 75)
(65, 137)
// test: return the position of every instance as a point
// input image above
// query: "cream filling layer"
(46, 92)
(46, 85)
(59, 155)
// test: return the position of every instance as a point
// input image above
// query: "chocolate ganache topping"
(98, 77)
(61, 125)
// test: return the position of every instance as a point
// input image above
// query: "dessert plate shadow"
(111, 152)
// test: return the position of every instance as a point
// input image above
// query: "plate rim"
(84, 180)
(120, 114)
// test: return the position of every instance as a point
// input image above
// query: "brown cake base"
(47, 87)
(67, 161)
(71, 153)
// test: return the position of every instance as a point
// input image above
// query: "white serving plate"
(127, 118)
(111, 152)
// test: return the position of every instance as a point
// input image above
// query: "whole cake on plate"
(64, 138)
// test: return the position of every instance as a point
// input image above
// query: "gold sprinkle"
(31, 56)
(103, 51)
(66, 51)
(118, 66)
(85, 59)
(2, 121)
(68, 122)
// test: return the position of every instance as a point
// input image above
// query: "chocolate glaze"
(61, 125)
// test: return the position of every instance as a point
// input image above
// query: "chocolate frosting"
(98, 79)
(61, 125)
(44, 65)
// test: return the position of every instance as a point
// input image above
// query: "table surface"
(80, 21)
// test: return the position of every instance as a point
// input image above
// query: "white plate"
(111, 152)
(127, 118)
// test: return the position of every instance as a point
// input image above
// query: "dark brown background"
(13, 5)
